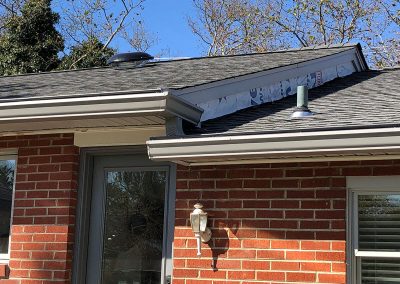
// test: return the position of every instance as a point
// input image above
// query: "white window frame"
(364, 186)
(5, 257)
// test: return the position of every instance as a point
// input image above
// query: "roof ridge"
(314, 47)
(56, 72)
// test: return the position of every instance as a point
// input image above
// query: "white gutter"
(284, 146)
(99, 106)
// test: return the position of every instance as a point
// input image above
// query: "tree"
(87, 22)
(93, 52)
(316, 22)
(312, 22)
(89, 29)
(232, 27)
(301, 23)
(30, 41)
(138, 37)
(8, 8)
(387, 50)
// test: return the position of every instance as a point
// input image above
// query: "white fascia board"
(104, 105)
(208, 92)
(275, 146)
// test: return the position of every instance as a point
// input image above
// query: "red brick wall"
(271, 223)
(44, 209)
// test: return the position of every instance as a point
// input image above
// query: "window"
(7, 172)
(374, 230)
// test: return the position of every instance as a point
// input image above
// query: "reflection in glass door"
(133, 228)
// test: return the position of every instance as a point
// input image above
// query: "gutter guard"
(99, 106)
(276, 147)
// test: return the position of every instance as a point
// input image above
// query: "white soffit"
(82, 125)
(228, 96)
(327, 145)
(116, 137)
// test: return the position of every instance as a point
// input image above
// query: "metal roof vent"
(302, 103)
(129, 60)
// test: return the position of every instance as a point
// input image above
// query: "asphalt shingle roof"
(175, 74)
(365, 99)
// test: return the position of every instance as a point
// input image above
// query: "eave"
(17, 115)
(365, 144)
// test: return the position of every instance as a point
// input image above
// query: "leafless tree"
(233, 26)
(138, 37)
(108, 21)
(312, 22)
(386, 52)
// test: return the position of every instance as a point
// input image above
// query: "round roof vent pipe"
(302, 110)
(129, 60)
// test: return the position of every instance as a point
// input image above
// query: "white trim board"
(387, 183)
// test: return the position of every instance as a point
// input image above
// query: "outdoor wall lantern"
(198, 220)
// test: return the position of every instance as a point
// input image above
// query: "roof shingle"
(176, 74)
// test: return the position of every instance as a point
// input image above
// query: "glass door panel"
(133, 226)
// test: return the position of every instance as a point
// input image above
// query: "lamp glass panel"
(195, 222)
(203, 222)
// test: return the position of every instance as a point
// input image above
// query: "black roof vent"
(129, 60)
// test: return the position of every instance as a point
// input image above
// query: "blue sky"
(167, 21)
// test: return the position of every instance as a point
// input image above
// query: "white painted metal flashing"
(303, 146)
(162, 104)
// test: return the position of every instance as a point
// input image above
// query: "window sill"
(382, 254)
(4, 260)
